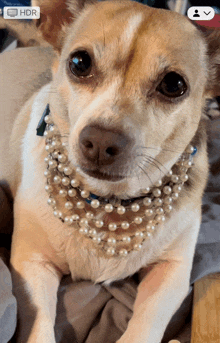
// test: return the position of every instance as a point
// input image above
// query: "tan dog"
(127, 96)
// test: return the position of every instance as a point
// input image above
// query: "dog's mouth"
(102, 176)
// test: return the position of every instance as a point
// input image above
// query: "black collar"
(42, 125)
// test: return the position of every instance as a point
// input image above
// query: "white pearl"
(56, 144)
(149, 212)
(95, 203)
(125, 225)
(187, 164)
(65, 181)
(72, 193)
(96, 239)
(174, 178)
(48, 134)
(158, 183)
(110, 251)
(48, 119)
(167, 200)
(147, 201)
(135, 207)
(111, 241)
(170, 173)
(57, 179)
(49, 148)
(139, 234)
(168, 208)
(57, 214)
(51, 202)
(55, 154)
(126, 239)
(137, 247)
(61, 167)
(46, 160)
(54, 130)
(159, 210)
(184, 177)
(112, 226)
(83, 222)
(108, 208)
(75, 217)
(64, 144)
(160, 218)
(83, 230)
(89, 215)
(47, 173)
(62, 158)
(84, 194)
(156, 192)
(63, 193)
(52, 164)
(121, 210)
(74, 183)
(158, 202)
(175, 196)
(145, 190)
(68, 170)
(92, 232)
(68, 220)
(48, 188)
(78, 169)
(167, 190)
(177, 188)
(148, 234)
(123, 252)
(99, 223)
(138, 220)
(190, 149)
(69, 205)
(149, 227)
(80, 204)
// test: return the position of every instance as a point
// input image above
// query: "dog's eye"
(80, 64)
(172, 85)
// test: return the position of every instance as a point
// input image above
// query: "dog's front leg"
(35, 284)
(161, 292)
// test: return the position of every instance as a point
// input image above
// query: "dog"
(127, 98)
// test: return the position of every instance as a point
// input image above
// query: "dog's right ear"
(55, 15)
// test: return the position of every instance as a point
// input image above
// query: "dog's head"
(129, 88)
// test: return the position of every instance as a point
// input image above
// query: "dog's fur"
(134, 46)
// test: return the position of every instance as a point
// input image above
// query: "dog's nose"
(101, 146)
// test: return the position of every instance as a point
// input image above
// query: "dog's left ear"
(212, 91)
(55, 16)
(212, 37)
(213, 40)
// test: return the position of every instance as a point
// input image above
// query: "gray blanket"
(88, 313)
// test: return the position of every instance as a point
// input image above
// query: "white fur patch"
(130, 31)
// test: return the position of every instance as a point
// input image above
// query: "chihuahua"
(125, 109)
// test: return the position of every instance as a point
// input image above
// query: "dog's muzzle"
(103, 151)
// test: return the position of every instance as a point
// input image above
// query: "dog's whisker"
(161, 149)
(146, 174)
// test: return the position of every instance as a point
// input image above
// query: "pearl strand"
(157, 204)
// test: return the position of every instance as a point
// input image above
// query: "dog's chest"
(84, 258)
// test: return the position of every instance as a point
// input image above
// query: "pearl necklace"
(114, 238)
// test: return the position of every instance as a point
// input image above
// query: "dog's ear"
(55, 15)
(212, 37)
(213, 41)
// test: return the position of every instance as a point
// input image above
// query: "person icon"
(196, 14)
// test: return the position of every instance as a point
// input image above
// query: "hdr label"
(25, 12)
